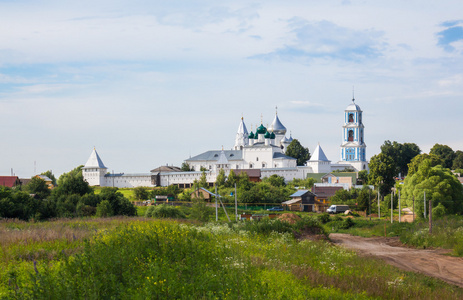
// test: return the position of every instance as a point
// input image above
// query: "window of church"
(250, 166)
(351, 118)
(351, 136)
(257, 159)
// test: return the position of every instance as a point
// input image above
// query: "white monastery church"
(260, 154)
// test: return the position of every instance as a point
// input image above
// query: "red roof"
(9, 181)
(325, 191)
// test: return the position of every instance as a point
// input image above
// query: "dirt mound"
(311, 233)
(289, 218)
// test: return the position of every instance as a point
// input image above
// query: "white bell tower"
(353, 148)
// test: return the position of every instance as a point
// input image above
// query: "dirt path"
(429, 262)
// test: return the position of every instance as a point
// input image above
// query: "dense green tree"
(297, 151)
(401, 153)
(445, 153)
(232, 179)
(417, 160)
(72, 183)
(141, 193)
(306, 183)
(50, 175)
(363, 176)
(39, 187)
(119, 204)
(104, 209)
(221, 178)
(458, 160)
(440, 185)
(203, 180)
(275, 180)
(382, 172)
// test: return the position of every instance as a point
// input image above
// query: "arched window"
(351, 136)
(257, 159)
(250, 166)
(351, 118)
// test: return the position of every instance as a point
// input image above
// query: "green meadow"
(148, 258)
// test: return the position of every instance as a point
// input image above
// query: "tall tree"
(401, 153)
(417, 160)
(72, 183)
(445, 153)
(221, 178)
(297, 151)
(440, 185)
(458, 160)
(382, 172)
(39, 187)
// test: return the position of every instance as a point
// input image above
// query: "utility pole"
(413, 208)
(399, 206)
(369, 203)
(430, 216)
(216, 210)
(424, 200)
(392, 206)
(379, 207)
(236, 206)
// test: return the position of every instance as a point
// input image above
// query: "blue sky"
(152, 82)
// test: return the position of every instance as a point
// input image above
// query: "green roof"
(261, 129)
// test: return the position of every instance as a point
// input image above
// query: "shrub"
(438, 211)
(200, 211)
(103, 209)
(324, 218)
(164, 211)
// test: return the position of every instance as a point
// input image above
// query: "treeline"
(427, 176)
(72, 197)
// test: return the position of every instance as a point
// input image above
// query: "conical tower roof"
(318, 154)
(222, 159)
(94, 161)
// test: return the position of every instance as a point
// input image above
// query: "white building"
(263, 150)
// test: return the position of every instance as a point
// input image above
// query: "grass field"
(138, 258)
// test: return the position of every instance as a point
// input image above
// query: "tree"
(445, 153)
(439, 184)
(458, 160)
(104, 209)
(186, 167)
(401, 153)
(297, 151)
(275, 180)
(232, 179)
(220, 180)
(39, 187)
(363, 176)
(50, 175)
(72, 183)
(417, 160)
(119, 204)
(141, 193)
(382, 172)
(203, 180)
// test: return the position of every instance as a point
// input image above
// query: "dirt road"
(429, 262)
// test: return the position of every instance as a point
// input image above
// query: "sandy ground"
(429, 262)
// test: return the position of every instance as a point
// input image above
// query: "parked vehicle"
(335, 209)
(276, 208)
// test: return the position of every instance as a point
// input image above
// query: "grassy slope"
(143, 258)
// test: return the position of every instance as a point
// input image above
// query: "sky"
(151, 83)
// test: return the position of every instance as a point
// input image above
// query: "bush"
(438, 211)
(200, 211)
(323, 218)
(164, 211)
(104, 209)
